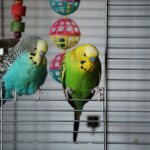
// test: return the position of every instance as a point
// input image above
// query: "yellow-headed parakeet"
(81, 73)
(24, 68)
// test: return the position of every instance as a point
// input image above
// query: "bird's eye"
(93, 59)
(84, 54)
(34, 48)
(82, 61)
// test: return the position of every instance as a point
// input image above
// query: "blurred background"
(120, 29)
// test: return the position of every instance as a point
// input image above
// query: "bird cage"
(120, 31)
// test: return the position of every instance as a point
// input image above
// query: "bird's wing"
(63, 78)
(63, 73)
(25, 44)
(64, 88)
(99, 69)
(99, 78)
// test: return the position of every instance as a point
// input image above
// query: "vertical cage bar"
(2, 19)
(105, 76)
(1, 124)
(1, 111)
(15, 125)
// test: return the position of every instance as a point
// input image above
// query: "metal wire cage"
(120, 30)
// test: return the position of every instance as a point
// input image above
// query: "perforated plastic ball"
(55, 65)
(65, 33)
(64, 7)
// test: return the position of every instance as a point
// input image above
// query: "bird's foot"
(68, 92)
(11, 96)
(37, 94)
(99, 91)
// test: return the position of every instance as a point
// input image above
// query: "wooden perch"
(8, 43)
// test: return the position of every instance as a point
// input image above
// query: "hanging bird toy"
(64, 7)
(18, 10)
(65, 33)
(55, 67)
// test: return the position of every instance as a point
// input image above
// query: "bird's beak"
(42, 54)
(93, 59)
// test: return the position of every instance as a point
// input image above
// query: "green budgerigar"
(80, 73)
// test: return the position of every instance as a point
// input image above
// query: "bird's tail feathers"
(77, 115)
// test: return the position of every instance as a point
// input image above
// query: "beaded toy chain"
(18, 10)
(16, 26)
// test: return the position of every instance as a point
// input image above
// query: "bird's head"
(87, 55)
(41, 49)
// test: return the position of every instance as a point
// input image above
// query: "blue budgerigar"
(28, 70)
(28, 43)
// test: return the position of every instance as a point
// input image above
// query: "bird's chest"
(81, 84)
(32, 72)
(25, 71)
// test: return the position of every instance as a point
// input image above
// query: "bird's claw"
(99, 91)
(37, 94)
(13, 94)
(67, 92)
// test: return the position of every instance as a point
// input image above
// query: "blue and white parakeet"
(28, 70)
(28, 43)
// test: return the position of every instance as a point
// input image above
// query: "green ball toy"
(64, 7)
